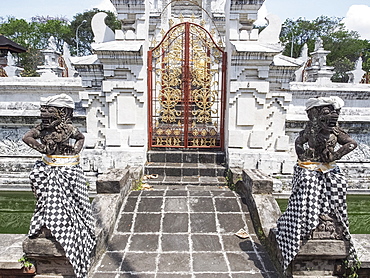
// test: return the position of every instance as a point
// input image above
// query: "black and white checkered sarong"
(63, 207)
(313, 193)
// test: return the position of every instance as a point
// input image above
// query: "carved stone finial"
(102, 33)
(171, 22)
(52, 44)
(319, 44)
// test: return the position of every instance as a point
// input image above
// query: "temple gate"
(186, 85)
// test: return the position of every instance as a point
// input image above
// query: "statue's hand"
(41, 148)
(51, 146)
(327, 156)
(308, 154)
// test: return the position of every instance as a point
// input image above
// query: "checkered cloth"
(313, 193)
(63, 207)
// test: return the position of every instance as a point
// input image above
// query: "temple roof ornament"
(102, 33)
(271, 33)
(8, 45)
(355, 76)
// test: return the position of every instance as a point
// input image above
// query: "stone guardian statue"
(58, 182)
(318, 186)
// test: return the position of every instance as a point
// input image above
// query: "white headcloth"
(337, 102)
(61, 100)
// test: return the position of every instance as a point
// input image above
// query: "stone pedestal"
(48, 256)
(320, 258)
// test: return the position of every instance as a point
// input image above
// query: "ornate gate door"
(186, 88)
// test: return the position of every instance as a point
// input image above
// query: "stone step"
(216, 157)
(14, 179)
(184, 169)
(185, 180)
(15, 187)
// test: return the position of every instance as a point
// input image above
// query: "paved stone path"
(185, 232)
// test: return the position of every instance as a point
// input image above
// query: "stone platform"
(184, 232)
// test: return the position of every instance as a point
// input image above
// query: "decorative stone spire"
(355, 76)
(318, 71)
(51, 67)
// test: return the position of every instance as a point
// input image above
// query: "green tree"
(341, 66)
(345, 45)
(24, 33)
(366, 57)
(34, 35)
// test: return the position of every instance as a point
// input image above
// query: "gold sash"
(317, 166)
(61, 160)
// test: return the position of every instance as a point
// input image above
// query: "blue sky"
(356, 16)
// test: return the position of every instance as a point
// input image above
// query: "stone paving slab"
(184, 232)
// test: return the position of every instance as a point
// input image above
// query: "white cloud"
(357, 19)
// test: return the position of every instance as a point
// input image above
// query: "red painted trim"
(150, 104)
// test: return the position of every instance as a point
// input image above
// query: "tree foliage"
(345, 46)
(34, 35)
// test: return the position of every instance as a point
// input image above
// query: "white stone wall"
(264, 112)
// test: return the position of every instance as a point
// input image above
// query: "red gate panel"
(186, 83)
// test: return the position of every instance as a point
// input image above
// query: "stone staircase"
(185, 167)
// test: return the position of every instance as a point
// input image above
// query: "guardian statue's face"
(50, 116)
(328, 117)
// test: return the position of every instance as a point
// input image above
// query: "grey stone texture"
(48, 255)
(166, 233)
(112, 181)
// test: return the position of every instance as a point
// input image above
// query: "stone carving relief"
(218, 6)
(102, 33)
(329, 228)
(11, 143)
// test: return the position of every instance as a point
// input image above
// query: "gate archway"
(186, 89)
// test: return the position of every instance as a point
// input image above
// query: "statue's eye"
(326, 111)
